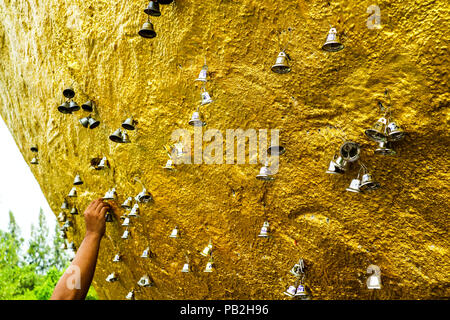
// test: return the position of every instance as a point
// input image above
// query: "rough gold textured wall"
(402, 227)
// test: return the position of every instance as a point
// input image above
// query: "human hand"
(94, 216)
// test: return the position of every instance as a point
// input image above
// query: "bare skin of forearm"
(86, 261)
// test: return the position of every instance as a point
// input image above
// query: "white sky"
(19, 190)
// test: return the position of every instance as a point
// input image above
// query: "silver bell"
(207, 250)
(84, 122)
(93, 123)
(144, 281)
(110, 195)
(264, 174)
(116, 258)
(117, 136)
(377, 132)
(129, 124)
(354, 185)
(144, 196)
(291, 291)
(125, 234)
(206, 99)
(61, 217)
(72, 193)
(127, 203)
(125, 138)
(65, 205)
(385, 150)
(367, 183)
(74, 211)
(196, 120)
(134, 212)
(77, 181)
(185, 268)
(300, 291)
(174, 233)
(209, 266)
(34, 161)
(281, 66)
(264, 233)
(394, 132)
(126, 222)
(112, 277)
(333, 168)
(130, 295)
(350, 151)
(203, 74)
(145, 253)
(169, 165)
(332, 43)
(103, 163)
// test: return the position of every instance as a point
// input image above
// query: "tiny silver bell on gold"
(367, 183)
(116, 258)
(203, 74)
(377, 132)
(144, 281)
(34, 161)
(127, 203)
(116, 136)
(394, 132)
(196, 120)
(61, 217)
(169, 165)
(88, 106)
(264, 233)
(77, 181)
(126, 222)
(134, 212)
(145, 253)
(74, 211)
(144, 196)
(384, 149)
(291, 291)
(174, 233)
(207, 250)
(125, 234)
(85, 122)
(206, 98)
(73, 193)
(350, 151)
(111, 277)
(130, 295)
(125, 138)
(147, 31)
(209, 265)
(332, 43)
(103, 163)
(153, 9)
(65, 205)
(64, 108)
(185, 268)
(93, 123)
(69, 93)
(73, 106)
(129, 124)
(354, 185)
(265, 174)
(281, 65)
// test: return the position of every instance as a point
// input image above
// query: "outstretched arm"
(86, 258)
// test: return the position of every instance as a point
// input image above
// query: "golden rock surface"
(402, 227)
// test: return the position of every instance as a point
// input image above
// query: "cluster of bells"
(332, 44)
(70, 106)
(120, 136)
(196, 119)
(298, 290)
(147, 30)
(349, 152)
(35, 159)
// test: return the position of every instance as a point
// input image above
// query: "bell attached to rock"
(276, 150)
(291, 291)
(73, 106)
(367, 183)
(88, 106)
(332, 43)
(130, 295)
(207, 250)
(377, 132)
(93, 123)
(165, 1)
(169, 165)
(354, 185)
(109, 217)
(112, 277)
(64, 108)
(134, 212)
(264, 174)
(110, 195)
(196, 120)
(74, 211)
(264, 233)
(61, 217)
(73, 193)
(125, 138)
(65, 205)
(126, 222)
(144, 281)
(300, 291)
(125, 234)
(129, 124)
(145, 253)
(77, 181)
(185, 268)
(69, 93)
(281, 65)
(209, 266)
(350, 151)
(34, 161)
(34, 149)
(206, 98)
(153, 9)
(117, 136)
(174, 233)
(127, 203)
(203, 74)
(103, 163)
(333, 168)
(85, 122)
(144, 196)
(147, 30)
(394, 132)
(384, 149)
(374, 282)
(116, 258)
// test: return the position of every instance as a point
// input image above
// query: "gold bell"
(281, 64)
(332, 43)
(147, 30)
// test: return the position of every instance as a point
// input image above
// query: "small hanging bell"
(264, 233)
(125, 234)
(61, 216)
(65, 205)
(116, 258)
(281, 66)
(291, 291)
(147, 31)
(333, 168)
(174, 233)
(110, 195)
(77, 181)
(206, 98)
(209, 265)
(300, 291)
(88, 106)
(196, 120)
(354, 185)
(185, 268)
(34, 149)
(117, 136)
(103, 163)
(73, 106)
(134, 212)
(125, 138)
(203, 74)
(109, 217)
(74, 211)
(112, 277)
(350, 151)
(93, 123)
(72, 193)
(377, 132)
(394, 132)
(85, 122)
(64, 108)
(127, 203)
(332, 43)
(145, 253)
(374, 282)
(384, 149)
(34, 161)
(69, 93)
(169, 165)
(265, 174)
(153, 9)
(130, 295)
(367, 183)
(144, 196)
(144, 281)
(129, 124)
(276, 150)
(207, 250)
(126, 222)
